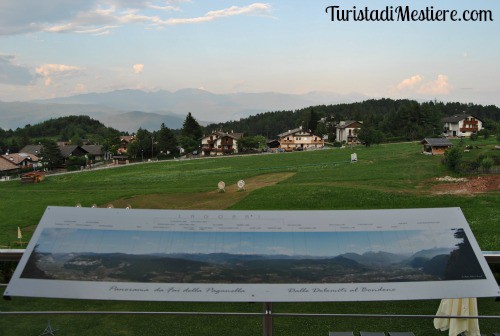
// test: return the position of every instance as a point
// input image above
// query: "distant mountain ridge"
(129, 121)
(20, 114)
(425, 265)
(127, 110)
(203, 104)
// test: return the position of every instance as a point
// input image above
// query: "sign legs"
(268, 319)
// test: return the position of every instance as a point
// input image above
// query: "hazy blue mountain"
(206, 105)
(375, 258)
(20, 114)
(127, 110)
(428, 254)
(131, 121)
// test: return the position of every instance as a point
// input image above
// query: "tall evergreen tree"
(166, 140)
(191, 134)
(191, 128)
(51, 156)
(314, 118)
(145, 143)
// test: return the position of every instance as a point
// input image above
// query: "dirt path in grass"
(212, 200)
(467, 185)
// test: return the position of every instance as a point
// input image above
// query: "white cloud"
(440, 86)
(100, 17)
(138, 68)
(416, 84)
(51, 71)
(409, 82)
(13, 73)
(253, 9)
(59, 69)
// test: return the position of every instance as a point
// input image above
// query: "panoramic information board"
(261, 256)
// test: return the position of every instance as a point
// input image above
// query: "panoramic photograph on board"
(252, 257)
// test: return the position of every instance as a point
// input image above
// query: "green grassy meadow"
(386, 176)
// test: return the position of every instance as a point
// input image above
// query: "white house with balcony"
(220, 143)
(346, 131)
(462, 125)
(299, 139)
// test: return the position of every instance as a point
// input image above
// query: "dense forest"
(71, 128)
(396, 119)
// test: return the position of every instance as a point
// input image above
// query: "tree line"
(396, 120)
(167, 142)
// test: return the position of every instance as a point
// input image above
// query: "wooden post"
(268, 319)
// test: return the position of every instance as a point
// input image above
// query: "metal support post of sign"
(268, 319)
(48, 330)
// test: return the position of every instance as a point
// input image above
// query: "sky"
(322, 244)
(56, 48)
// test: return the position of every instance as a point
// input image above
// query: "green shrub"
(487, 163)
(453, 159)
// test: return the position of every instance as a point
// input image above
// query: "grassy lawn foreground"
(385, 177)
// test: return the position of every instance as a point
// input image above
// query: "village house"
(220, 143)
(7, 167)
(124, 141)
(96, 152)
(22, 160)
(462, 125)
(435, 146)
(68, 150)
(299, 139)
(32, 149)
(346, 131)
(72, 150)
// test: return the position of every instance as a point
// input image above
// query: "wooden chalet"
(435, 146)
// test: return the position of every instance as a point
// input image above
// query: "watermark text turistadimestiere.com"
(407, 14)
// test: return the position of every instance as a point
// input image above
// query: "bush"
(472, 166)
(75, 162)
(487, 163)
(453, 159)
(484, 133)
